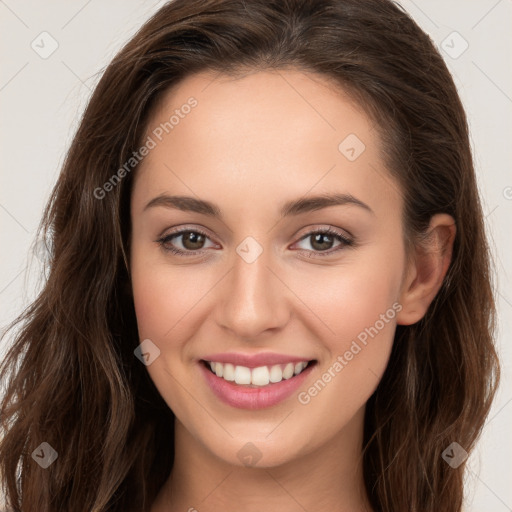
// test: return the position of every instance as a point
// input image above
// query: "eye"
(323, 240)
(192, 242)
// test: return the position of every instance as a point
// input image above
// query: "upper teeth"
(259, 376)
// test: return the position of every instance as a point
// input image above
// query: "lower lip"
(244, 397)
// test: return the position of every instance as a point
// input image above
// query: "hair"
(71, 376)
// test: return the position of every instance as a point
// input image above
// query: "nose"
(253, 299)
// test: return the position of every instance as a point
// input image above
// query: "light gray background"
(42, 99)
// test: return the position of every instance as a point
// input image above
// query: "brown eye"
(321, 241)
(185, 242)
(192, 240)
(324, 242)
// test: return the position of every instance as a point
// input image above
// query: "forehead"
(262, 136)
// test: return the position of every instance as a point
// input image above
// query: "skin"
(251, 144)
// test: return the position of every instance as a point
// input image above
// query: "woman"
(269, 282)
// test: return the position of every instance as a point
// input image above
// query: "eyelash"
(345, 242)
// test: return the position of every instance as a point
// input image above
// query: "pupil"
(317, 240)
(193, 238)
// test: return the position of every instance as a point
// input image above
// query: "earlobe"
(427, 269)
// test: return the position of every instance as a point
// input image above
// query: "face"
(262, 277)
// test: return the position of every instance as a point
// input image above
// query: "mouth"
(255, 387)
(260, 376)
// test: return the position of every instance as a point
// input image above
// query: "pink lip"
(254, 360)
(244, 397)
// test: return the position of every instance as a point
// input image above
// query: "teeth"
(242, 374)
(260, 376)
(276, 374)
(299, 367)
(229, 372)
(288, 371)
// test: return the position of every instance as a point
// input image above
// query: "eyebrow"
(290, 208)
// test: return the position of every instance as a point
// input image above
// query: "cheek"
(356, 313)
(164, 296)
(155, 307)
(347, 299)
(163, 299)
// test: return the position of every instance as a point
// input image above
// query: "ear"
(427, 269)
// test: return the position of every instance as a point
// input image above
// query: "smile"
(255, 385)
(258, 377)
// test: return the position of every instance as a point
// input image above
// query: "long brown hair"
(71, 378)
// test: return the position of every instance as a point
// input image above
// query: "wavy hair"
(71, 378)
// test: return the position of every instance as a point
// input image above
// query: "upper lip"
(254, 360)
